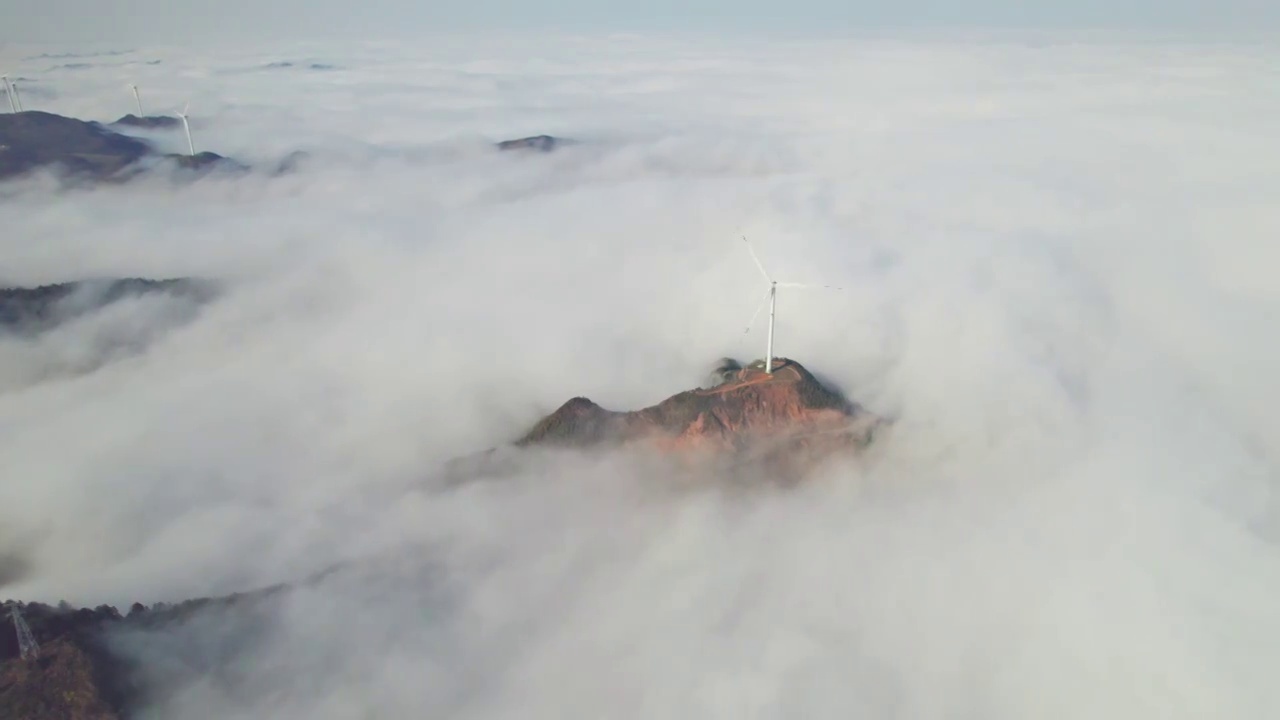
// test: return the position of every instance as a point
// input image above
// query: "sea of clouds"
(1057, 260)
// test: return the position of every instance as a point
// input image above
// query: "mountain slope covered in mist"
(82, 150)
(86, 151)
(784, 425)
(35, 310)
(64, 330)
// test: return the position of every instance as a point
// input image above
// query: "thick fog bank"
(1056, 262)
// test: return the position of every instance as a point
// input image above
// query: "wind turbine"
(8, 90)
(772, 296)
(17, 96)
(137, 99)
(187, 126)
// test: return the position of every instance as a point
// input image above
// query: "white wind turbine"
(8, 90)
(187, 126)
(772, 296)
(17, 96)
(137, 99)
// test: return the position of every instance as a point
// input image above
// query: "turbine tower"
(17, 96)
(771, 295)
(137, 99)
(27, 645)
(187, 126)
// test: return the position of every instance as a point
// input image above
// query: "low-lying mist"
(1056, 267)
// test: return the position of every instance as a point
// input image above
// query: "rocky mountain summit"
(782, 425)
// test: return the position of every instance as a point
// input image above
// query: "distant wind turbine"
(17, 96)
(772, 297)
(187, 126)
(8, 90)
(137, 99)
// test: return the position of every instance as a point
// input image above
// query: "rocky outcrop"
(292, 162)
(540, 143)
(206, 161)
(784, 423)
(148, 122)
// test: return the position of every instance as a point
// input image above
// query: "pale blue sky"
(129, 21)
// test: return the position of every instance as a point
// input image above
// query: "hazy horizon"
(163, 23)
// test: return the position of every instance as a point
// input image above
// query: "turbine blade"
(806, 286)
(756, 314)
(753, 257)
(185, 108)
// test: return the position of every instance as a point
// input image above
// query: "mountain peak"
(787, 418)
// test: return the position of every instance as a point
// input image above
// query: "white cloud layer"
(1058, 264)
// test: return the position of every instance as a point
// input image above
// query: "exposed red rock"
(783, 422)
